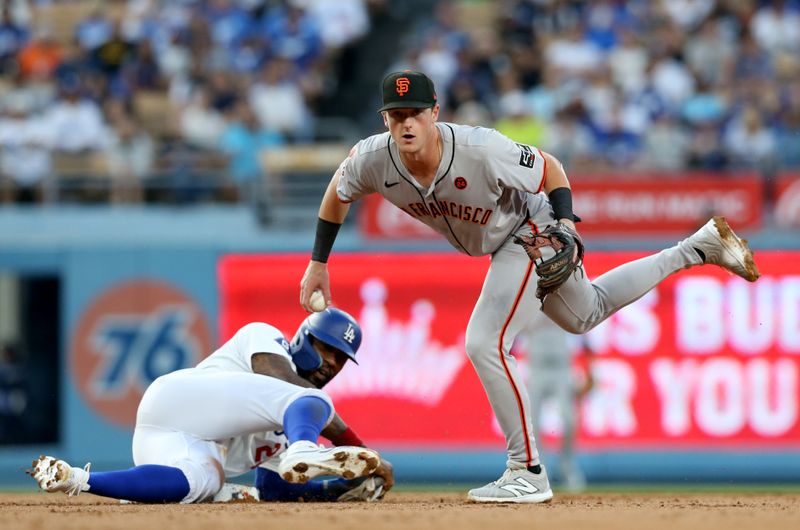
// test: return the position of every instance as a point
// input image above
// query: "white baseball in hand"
(317, 301)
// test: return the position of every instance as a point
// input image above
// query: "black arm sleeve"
(323, 242)
(561, 201)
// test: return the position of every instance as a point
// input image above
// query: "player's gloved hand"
(315, 277)
(386, 472)
(555, 270)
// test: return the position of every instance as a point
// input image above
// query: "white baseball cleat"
(305, 460)
(722, 247)
(56, 475)
(517, 486)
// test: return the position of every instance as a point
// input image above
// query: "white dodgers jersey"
(485, 188)
(253, 338)
(243, 453)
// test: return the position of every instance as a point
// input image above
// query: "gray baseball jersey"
(485, 188)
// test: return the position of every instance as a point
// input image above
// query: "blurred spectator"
(628, 63)
(200, 123)
(706, 151)
(109, 56)
(688, 14)
(229, 22)
(787, 141)
(278, 102)
(129, 156)
(25, 155)
(517, 123)
(143, 70)
(666, 145)
(749, 142)
(294, 35)
(570, 140)
(339, 22)
(556, 386)
(94, 30)
(571, 54)
(244, 141)
(74, 123)
(776, 26)
(752, 62)
(672, 81)
(40, 57)
(709, 54)
(12, 37)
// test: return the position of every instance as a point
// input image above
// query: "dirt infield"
(435, 511)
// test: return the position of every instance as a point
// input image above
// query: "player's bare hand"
(386, 472)
(315, 277)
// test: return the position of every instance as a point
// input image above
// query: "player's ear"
(385, 118)
(435, 112)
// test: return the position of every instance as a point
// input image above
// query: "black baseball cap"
(408, 90)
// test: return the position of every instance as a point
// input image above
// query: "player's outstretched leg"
(56, 475)
(719, 245)
(516, 485)
(145, 483)
(304, 460)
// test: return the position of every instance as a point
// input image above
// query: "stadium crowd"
(141, 87)
(629, 84)
(148, 83)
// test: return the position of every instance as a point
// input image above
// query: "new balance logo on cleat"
(524, 487)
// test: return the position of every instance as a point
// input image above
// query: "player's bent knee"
(477, 347)
(205, 479)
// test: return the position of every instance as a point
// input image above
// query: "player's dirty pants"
(507, 302)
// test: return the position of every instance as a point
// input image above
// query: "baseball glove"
(553, 271)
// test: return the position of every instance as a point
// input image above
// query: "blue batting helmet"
(332, 326)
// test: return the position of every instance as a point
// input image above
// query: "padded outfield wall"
(698, 381)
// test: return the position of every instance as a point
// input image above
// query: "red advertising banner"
(610, 204)
(705, 360)
(787, 200)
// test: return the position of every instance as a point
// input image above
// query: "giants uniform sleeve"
(354, 181)
(517, 166)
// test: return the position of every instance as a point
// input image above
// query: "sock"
(148, 483)
(305, 418)
(535, 469)
(700, 253)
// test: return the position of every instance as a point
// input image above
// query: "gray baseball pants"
(508, 301)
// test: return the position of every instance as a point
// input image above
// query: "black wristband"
(323, 242)
(561, 201)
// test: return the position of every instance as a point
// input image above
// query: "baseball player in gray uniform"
(481, 191)
(551, 375)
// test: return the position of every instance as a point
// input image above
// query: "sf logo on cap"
(401, 85)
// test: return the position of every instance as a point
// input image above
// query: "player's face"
(412, 129)
(333, 361)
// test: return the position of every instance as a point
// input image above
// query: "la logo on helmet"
(349, 334)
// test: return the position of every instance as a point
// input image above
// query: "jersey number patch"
(526, 157)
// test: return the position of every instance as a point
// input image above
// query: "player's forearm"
(331, 216)
(557, 188)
